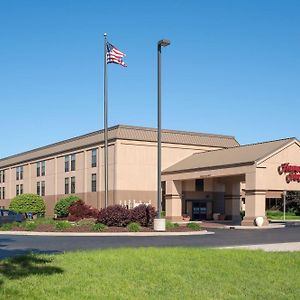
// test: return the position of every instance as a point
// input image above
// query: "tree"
(26, 203)
(293, 202)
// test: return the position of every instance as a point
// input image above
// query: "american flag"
(114, 55)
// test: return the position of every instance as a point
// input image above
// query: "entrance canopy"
(268, 166)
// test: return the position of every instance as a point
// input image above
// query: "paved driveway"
(15, 245)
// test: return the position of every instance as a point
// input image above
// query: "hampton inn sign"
(292, 172)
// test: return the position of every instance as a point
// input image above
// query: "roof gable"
(241, 155)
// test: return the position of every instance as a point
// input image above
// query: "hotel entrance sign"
(292, 172)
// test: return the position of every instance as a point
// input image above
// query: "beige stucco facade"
(132, 165)
(227, 184)
(203, 175)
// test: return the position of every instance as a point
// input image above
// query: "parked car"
(8, 216)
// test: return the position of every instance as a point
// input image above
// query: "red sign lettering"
(293, 172)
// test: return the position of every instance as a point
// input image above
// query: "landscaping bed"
(278, 215)
(49, 225)
(73, 215)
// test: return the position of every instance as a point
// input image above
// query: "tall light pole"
(284, 204)
(159, 223)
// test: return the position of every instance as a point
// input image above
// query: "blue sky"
(233, 68)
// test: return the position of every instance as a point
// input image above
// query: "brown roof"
(121, 132)
(240, 155)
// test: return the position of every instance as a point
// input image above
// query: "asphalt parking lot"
(11, 245)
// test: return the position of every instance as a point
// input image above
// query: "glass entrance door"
(199, 211)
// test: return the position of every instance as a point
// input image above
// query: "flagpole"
(105, 125)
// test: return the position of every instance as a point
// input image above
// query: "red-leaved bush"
(143, 214)
(79, 210)
(117, 215)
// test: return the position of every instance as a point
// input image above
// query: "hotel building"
(203, 174)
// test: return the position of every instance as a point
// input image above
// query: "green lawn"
(151, 273)
(278, 215)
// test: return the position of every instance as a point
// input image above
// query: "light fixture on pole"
(159, 223)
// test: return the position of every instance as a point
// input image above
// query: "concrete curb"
(105, 234)
(255, 227)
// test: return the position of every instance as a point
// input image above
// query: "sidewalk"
(280, 247)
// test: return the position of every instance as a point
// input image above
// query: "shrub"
(133, 227)
(99, 227)
(79, 210)
(46, 221)
(30, 226)
(115, 215)
(7, 226)
(143, 214)
(61, 208)
(170, 225)
(61, 225)
(28, 203)
(193, 226)
(86, 222)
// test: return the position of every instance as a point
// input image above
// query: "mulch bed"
(51, 228)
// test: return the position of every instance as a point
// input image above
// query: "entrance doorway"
(199, 211)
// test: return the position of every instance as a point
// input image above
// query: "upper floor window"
(19, 173)
(2, 176)
(94, 182)
(70, 159)
(38, 169)
(43, 168)
(199, 185)
(73, 162)
(67, 163)
(94, 158)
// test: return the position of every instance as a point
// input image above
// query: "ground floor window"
(273, 203)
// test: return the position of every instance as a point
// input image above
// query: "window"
(199, 185)
(17, 190)
(38, 188)
(69, 158)
(67, 185)
(19, 173)
(67, 163)
(94, 182)
(73, 162)
(94, 158)
(21, 189)
(73, 185)
(43, 168)
(2, 193)
(43, 188)
(38, 170)
(2, 176)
